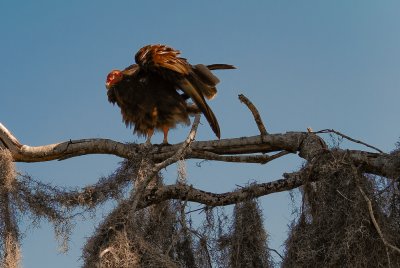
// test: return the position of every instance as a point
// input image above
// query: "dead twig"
(255, 113)
(344, 196)
(348, 138)
(198, 209)
(276, 252)
(376, 225)
(184, 147)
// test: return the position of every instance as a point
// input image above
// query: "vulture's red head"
(113, 78)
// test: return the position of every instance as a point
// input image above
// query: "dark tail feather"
(205, 75)
(201, 83)
(220, 67)
(204, 80)
(197, 97)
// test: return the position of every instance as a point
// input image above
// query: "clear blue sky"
(323, 64)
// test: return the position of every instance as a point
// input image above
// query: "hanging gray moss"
(10, 255)
(248, 239)
(334, 228)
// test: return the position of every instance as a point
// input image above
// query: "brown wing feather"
(131, 70)
(161, 56)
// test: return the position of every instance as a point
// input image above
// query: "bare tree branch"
(307, 144)
(261, 159)
(255, 113)
(72, 148)
(185, 192)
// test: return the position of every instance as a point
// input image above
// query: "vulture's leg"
(165, 131)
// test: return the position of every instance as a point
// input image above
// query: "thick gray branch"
(246, 145)
(308, 145)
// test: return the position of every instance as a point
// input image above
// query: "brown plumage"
(147, 92)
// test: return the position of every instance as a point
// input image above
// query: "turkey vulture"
(148, 92)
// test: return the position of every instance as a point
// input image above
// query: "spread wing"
(197, 82)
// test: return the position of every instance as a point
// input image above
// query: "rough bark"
(308, 145)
